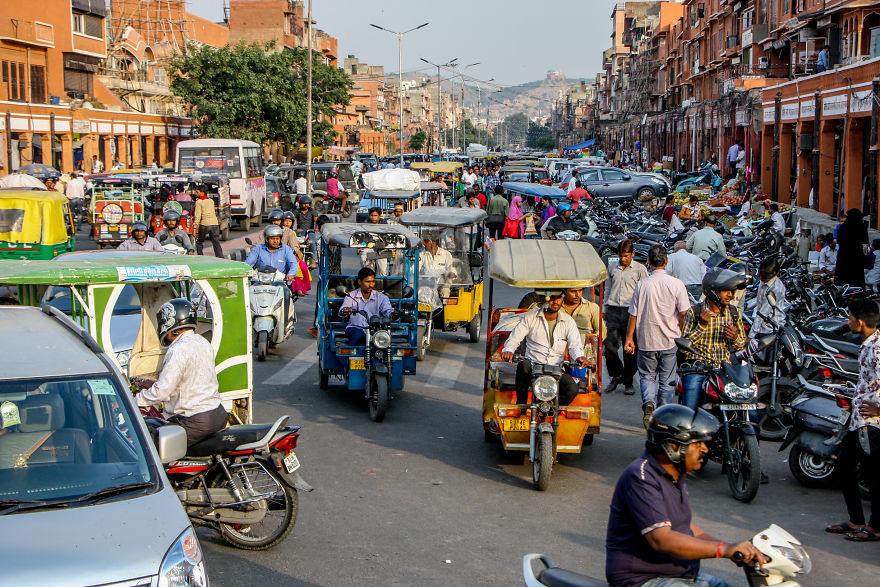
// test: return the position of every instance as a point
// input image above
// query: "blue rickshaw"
(377, 367)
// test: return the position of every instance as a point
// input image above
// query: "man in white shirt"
(828, 254)
(689, 268)
(707, 241)
(468, 177)
(572, 183)
(187, 386)
(76, 192)
(300, 185)
(97, 164)
(547, 332)
(777, 218)
(438, 262)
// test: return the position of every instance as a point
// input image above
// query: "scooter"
(272, 309)
(787, 559)
(708, 175)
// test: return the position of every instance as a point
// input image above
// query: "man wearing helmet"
(288, 235)
(187, 387)
(650, 534)
(172, 235)
(335, 193)
(274, 253)
(713, 326)
(140, 240)
(561, 222)
(305, 225)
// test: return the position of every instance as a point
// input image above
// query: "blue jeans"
(702, 580)
(657, 376)
(356, 336)
(692, 389)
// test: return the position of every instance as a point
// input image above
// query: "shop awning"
(577, 147)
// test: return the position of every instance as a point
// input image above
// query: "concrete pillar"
(826, 167)
(108, 155)
(135, 150)
(163, 151)
(783, 187)
(151, 154)
(805, 167)
(66, 152)
(766, 160)
(852, 170)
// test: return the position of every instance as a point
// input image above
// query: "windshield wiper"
(111, 491)
(13, 505)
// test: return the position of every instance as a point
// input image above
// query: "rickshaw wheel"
(262, 345)
(245, 224)
(323, 379)
(379, 398)
(224, 234)
(421, 347)
(473, 327)
(542, 467)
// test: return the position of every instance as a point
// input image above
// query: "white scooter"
(786, 554)
(272, 309)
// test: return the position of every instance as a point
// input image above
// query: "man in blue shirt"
(651, 540)
(822, 59)
(373, 303)
(274, 254)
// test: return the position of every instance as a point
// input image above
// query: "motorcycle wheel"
(421, 344)
(744, 474)
(262, 345)
(809, 469)
(281, 513)
(379, 397)
(349, 210)
(542, 467)
(775, 429)
(473, 328)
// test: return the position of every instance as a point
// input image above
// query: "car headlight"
(382, 339)
(742, 394)
(545, 388)
(122, 358)
(183, 563)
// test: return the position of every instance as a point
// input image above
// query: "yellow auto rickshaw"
(34, 224)
(542, 426)
(450, 288)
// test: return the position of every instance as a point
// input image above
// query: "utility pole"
(439, 107)
(309, 112)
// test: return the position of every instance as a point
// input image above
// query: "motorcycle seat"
(556, 577)
(228, 439)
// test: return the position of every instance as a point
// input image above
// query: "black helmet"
(304, 199)
(288, 215)
(138, 225)
(272, 230)
(721, 280)
(742, 269)
(680, 425)
(275, 214)
(171, 214)
(174, 315)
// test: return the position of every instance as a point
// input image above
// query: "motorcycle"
(732, 393)
(242, 482)
(707, 175)
(786, 557)
(305, 246)
(272, 309)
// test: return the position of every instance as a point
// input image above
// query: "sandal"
(862, 535)
(842, 528)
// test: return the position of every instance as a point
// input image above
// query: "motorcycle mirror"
(170, 443)
(686, 344)
(248, 240)
(340, 291)
(406, 293)
(771, 299)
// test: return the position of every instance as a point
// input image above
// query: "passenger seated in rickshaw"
(584, 312)
(373, 303)
(547, 332)
(368, 257)
(437, 261)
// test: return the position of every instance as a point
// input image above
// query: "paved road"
(421, 499)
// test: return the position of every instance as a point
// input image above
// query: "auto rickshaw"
(102, 291)
(433, 194)
(117, 201)
(386, 188)
(34, 224)
(217, 188)
(542, 427)
(376, 368)
(449, 302)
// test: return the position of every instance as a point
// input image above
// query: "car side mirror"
(407, 292)
(340, 291)
(686, 344)
(626, 178)
(475, 260)
(771, 299)
(170, 443)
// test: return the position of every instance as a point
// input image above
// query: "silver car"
(83, 496)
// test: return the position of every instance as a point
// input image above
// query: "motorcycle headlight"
(266, 277)
(741, 394)
(545, 388)
(798, 557)
(183, 563)
(382, 339)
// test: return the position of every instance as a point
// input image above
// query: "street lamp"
(439, 109)
(461, 75)
(400, 75)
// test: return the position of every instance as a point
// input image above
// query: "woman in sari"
(514, 222)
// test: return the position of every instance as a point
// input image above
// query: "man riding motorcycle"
(172, 235)
(140, 240)
(561, 222)
(187, 386)
(651, 540)
(547, 332)
(288, 236)
(274, 254)
(305, 225)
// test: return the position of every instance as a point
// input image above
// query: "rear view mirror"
(475, 260)
(248, 240)
(686, 344)
(170, 443)
(407, 293)
(340, 291)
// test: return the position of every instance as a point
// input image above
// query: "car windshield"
(539, 175)
(210, 160)
(517, 176)
(67, 437)
(127, 303)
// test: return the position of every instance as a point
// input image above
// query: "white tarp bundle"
(392, 180)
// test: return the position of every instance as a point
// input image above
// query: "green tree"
(470, 134)
(417, 141)
(513, 130)
(546, 142)
(537, 134)
(246, 92)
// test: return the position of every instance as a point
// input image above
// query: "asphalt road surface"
(421, 499)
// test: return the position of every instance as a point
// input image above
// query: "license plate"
(739, 406)
(291, 463)
(515, 425)
(356, 364)
(113, 228)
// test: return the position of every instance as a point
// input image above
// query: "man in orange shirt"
(576, 194)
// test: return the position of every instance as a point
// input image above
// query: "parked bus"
(241, 161)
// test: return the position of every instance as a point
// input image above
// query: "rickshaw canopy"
(341, 233)
(532, 189)
(445, 166)
(431, 186)
(394, 194)
(443, 216)
(32, 216)
(544, 264)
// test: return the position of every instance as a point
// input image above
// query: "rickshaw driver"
(171, 235)
(374, 303)
(139, 240)
(547, 332)
(274, 254)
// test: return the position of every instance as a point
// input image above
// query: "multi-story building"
(280, 21)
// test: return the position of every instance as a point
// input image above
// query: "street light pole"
(439, 107)
(309, 100)
(399, 76)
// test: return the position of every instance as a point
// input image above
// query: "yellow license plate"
(356, 364)
(515, 425)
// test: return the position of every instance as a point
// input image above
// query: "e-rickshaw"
(385, 189)
(542, 427)
(34, 224)
(90, 287)
(433, 194)
(435, 170)
(376, 368)
(217, 188)
(455, 300)
(117, 201)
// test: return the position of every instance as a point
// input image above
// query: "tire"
(542, 467)
(810, 470)
(379, 397)
(473, 327)
(775, 429)
(744, 475)
(285, 503)
(644, 192)
(421, 344)
(349, 210)
(245, 223)
(224, 234)
(262, 345)
(588, 439)
(257, 220)
(323, 379)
